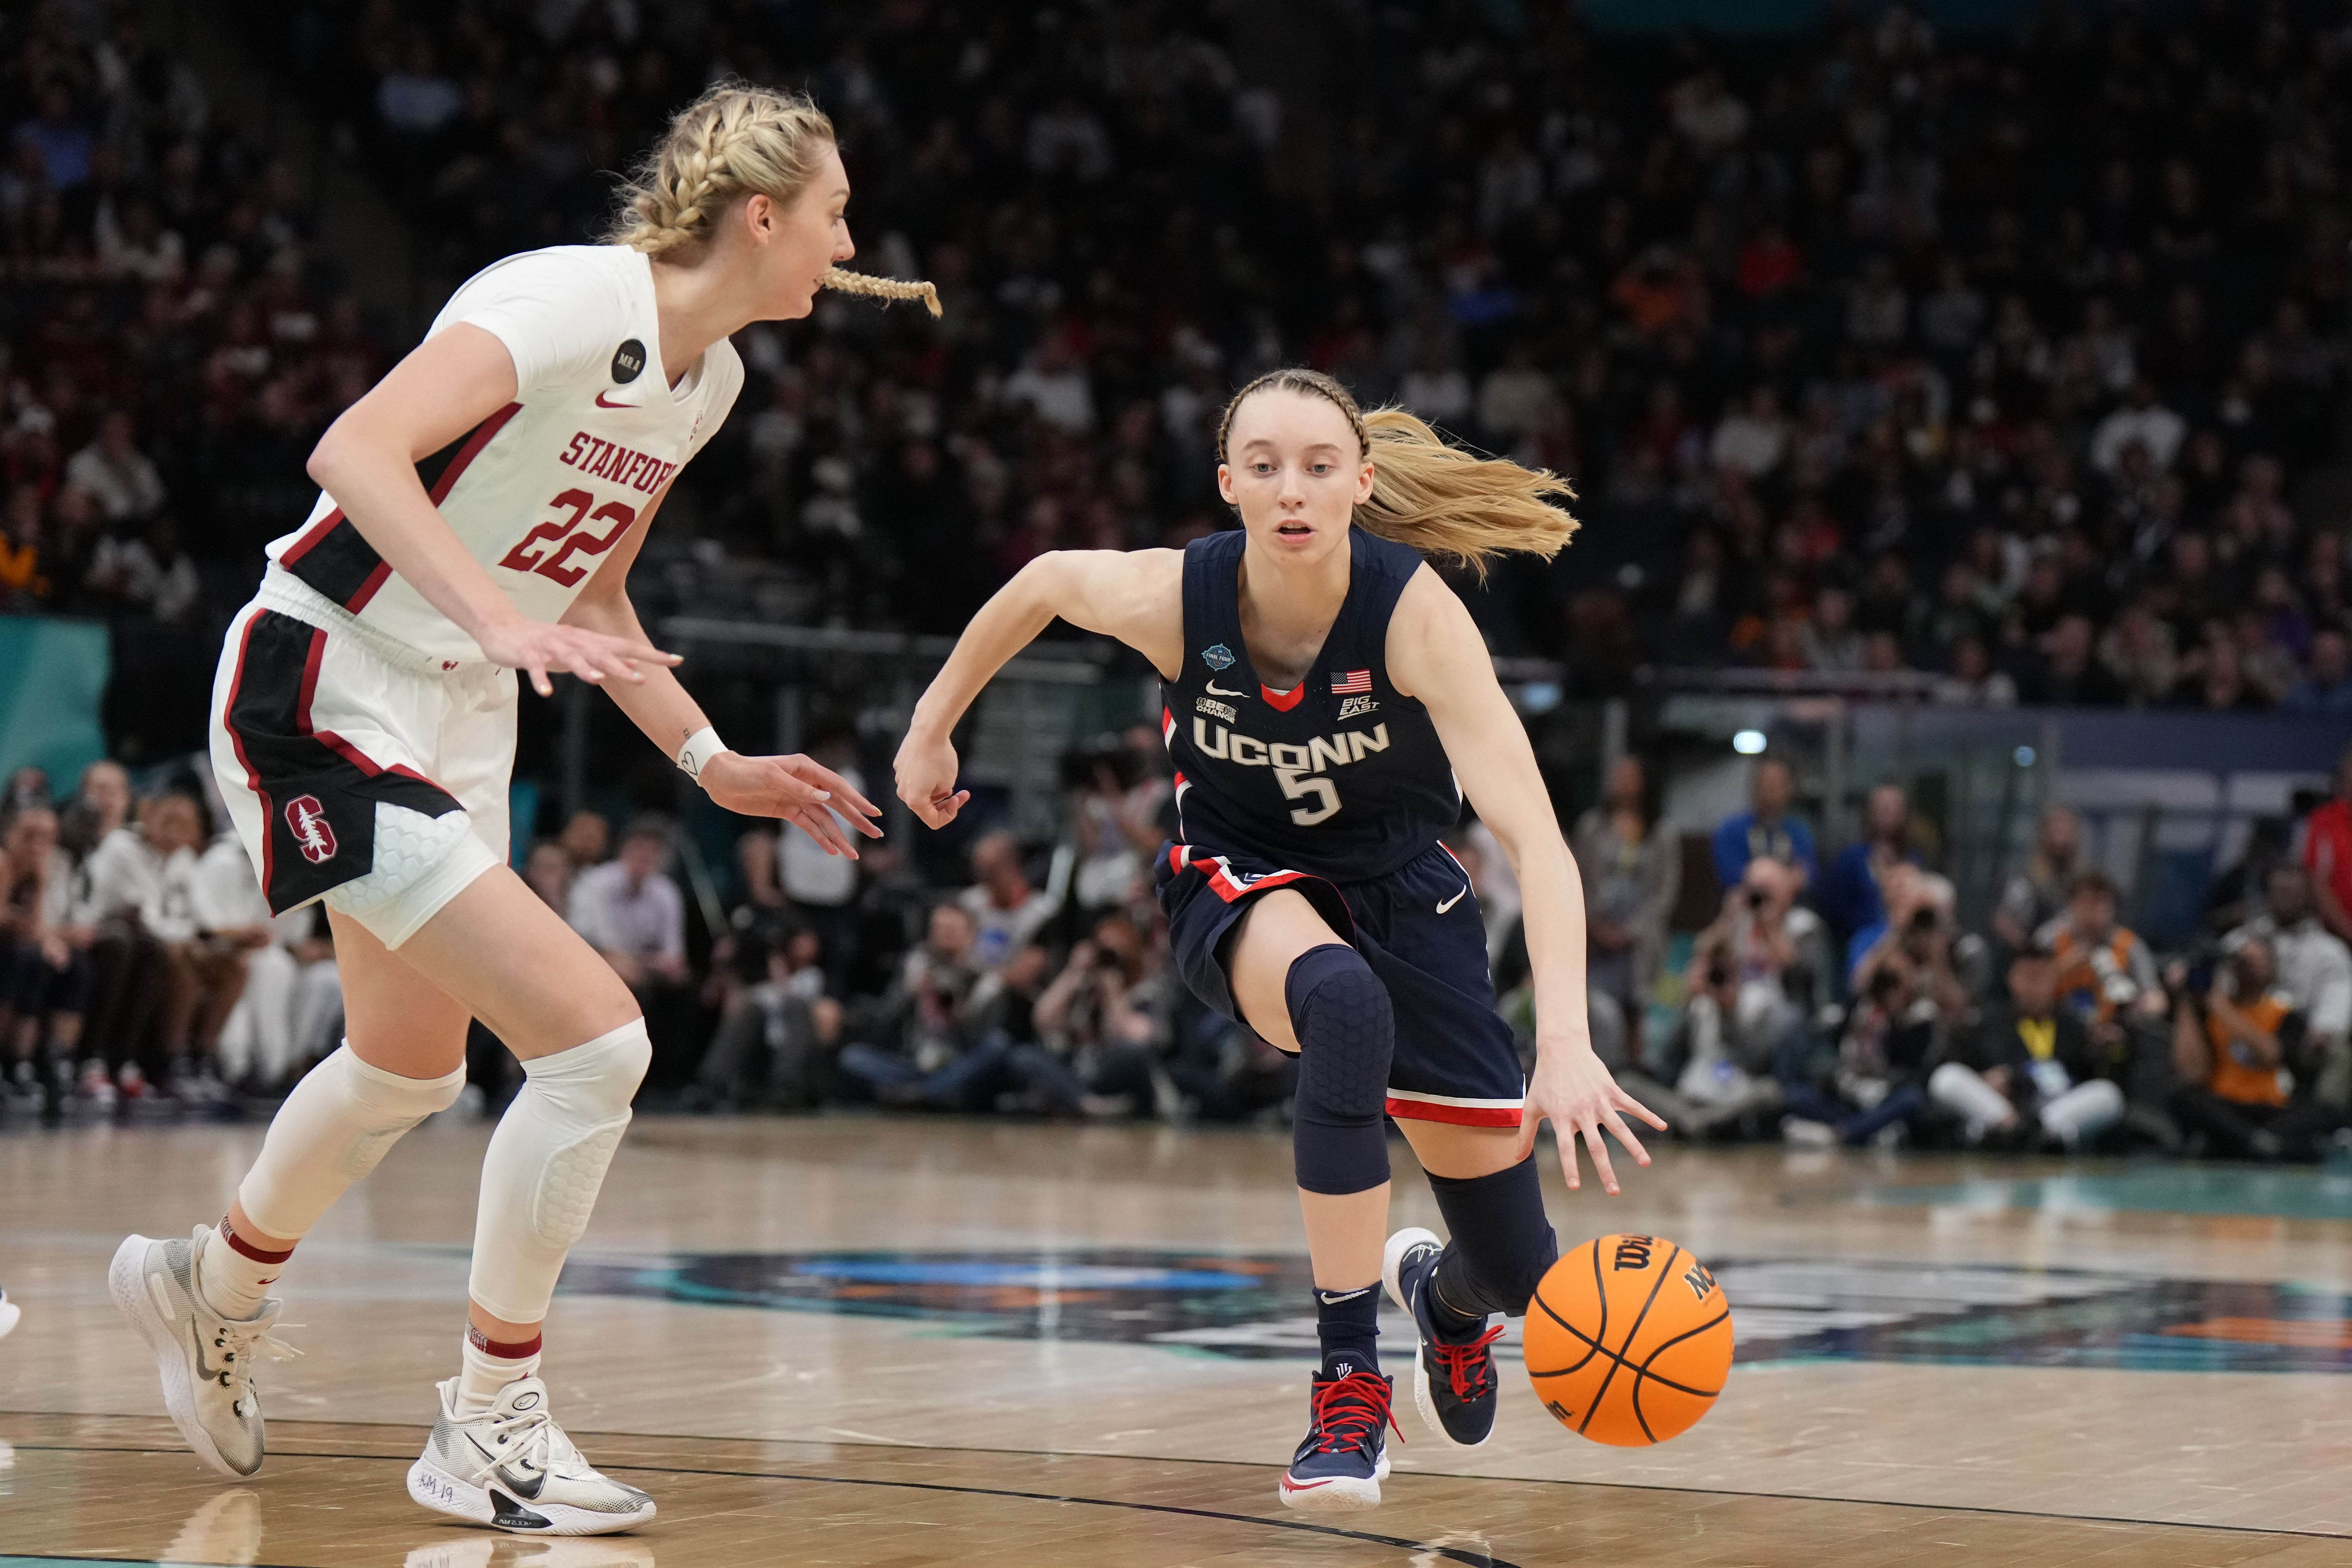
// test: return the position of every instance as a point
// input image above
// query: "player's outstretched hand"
(795, 790)
(926, 780)
(539, 648)
(1572, 1088)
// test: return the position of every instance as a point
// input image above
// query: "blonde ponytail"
(735, 140)
(1441, 501)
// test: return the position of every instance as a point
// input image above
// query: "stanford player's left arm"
(1435, 654)
(792, 788)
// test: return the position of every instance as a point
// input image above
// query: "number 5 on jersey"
(525, 557)
(1297, 785)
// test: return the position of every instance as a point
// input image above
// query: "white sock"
(234, 1283)
(489, 1367)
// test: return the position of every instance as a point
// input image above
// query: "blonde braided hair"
(1439, 500)
(735, 140)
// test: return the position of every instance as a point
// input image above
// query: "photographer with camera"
(1756, 976)
(2232, 1035)
(1909, 998)
(2029, 1070)
(2315, 969)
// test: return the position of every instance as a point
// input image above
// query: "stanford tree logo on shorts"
(307, 820)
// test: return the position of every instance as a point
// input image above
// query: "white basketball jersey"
(540, 490)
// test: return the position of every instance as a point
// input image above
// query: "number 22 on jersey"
(535, 551)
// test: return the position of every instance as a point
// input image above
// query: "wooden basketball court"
(861, 1341)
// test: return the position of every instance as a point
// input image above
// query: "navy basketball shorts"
(1419, 929)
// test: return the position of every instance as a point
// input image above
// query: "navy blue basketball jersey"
(1341, 776)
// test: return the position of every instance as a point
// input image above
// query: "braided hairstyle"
(1439, 500)
(735, 140)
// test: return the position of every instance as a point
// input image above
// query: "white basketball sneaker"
(9, 1313)
(205, 1360)
(513, 1468)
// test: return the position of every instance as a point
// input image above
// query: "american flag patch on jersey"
(1354, 680)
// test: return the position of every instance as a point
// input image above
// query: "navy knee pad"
(1347, 1033)
(1502, 1244)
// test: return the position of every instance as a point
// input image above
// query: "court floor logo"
(1783, 1310)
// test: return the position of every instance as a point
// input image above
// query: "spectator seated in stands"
(2327, 853)
(2232, 1036)
(2029, 1070)
(1632, 870)
(1908, 998)
(2315, 969)
(1850, 895)
(1006, 912)
(821, 889)
(2107, 977)
(1719, 1057)
(773, 1049)
(1103, 1025)
(2037, 895)
(630, 911)
(1766, 831)
(935, 1040)
(139, 896)
(256, 1037)
(1757, 975)
(44, 972)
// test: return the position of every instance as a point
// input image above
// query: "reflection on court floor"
(867, 1341)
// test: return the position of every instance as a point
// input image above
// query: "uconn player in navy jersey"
(1325, 690)
(364, 729)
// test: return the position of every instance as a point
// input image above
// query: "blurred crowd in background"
(1822, 1000)
(1991, 369)
(2010, 360)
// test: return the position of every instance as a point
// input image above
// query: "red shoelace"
(1468, 1367)
(1351, 1411)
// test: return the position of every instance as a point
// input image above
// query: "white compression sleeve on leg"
(545, 1163)
(331, 1130)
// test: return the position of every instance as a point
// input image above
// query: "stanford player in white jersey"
(479, 510)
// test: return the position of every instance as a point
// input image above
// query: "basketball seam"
(1643, 1371)
(1617, 1358)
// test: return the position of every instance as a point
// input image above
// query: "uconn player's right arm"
(1137, 596)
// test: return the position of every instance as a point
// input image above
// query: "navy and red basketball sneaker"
(1344, 1458)
(1453, 1374)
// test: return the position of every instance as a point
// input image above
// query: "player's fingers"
(1599, 1148)
(1627, 1102)
(817, 823)
(539, 682)
(839, 788)
(794, 791)
(1525, 1145)
(1624, 1135)
(642, 652)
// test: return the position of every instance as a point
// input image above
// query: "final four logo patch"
(1217, 658)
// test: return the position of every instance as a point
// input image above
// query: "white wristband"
(699, 747)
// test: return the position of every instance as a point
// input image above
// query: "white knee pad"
(545, 1164)
(331, 1131)
(421, 863)
(1960, 1090)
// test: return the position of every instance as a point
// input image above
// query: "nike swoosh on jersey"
(1454, 900)
(602, 404)
(1217, 691)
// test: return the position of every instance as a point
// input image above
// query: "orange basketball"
(1628, 1340)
